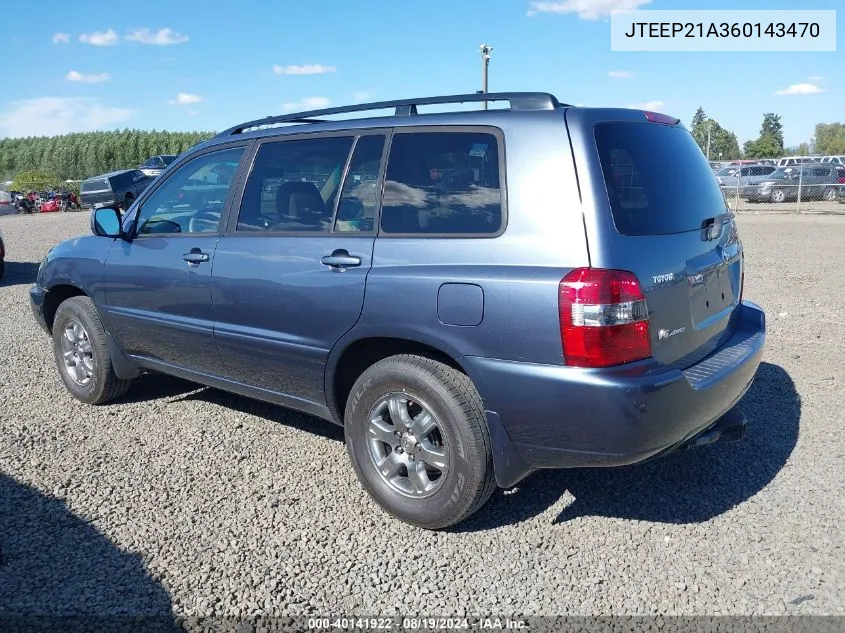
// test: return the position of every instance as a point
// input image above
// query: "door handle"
(340, 259)
(195, 256)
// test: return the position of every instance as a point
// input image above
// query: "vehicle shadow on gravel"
(153, 386)
(689, 487)
(19, 273)
(57, 572)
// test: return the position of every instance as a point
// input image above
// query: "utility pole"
(485, 62)
(709, 125)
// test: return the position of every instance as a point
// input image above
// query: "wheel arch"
(352, 356)
(55, 296)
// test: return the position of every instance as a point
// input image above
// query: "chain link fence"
(807, 187)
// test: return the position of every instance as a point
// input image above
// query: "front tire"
(418, 439)
(829, 194)
(82, 353)
(778, 196)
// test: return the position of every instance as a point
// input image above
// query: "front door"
(290, 272)
(158, 282)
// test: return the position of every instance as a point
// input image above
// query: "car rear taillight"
(603, 318)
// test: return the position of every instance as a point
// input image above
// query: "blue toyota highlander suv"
(473, 295)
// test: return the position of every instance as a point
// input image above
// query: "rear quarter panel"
(518, 271)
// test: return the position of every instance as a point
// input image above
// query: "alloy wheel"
(407, 446)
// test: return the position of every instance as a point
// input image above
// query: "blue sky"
(189, 65)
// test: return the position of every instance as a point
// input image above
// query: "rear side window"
(443, 183)
(95, 184)
(657, 179)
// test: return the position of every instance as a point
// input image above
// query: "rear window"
(658, 180)
(96, 184)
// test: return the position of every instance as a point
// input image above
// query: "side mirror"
(106, 222)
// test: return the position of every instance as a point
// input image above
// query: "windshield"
(727, 171)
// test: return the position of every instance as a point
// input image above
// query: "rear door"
(653, 208)
(290, 272)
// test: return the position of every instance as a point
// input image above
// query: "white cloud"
(186, 98)
(361, 96)
(93, 78)
(815, 79)
(586, 9)
(48, 116)
(162, 37)
(99, 38)
(622, 74)
(800, 89)
(61, 38)
(648, 105)
(307, 69)
(308, 103)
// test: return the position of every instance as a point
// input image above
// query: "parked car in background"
(416, 279)
(7, 205)
(114, 188)
(792, 161)
(2, 255)
(812, 182)
(154, 165)
(837, 160)
(745, 175)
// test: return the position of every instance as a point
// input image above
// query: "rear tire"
(829, 194)
(82, 353)
(431, 479)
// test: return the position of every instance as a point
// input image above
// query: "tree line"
(79, 156)
(829, 139)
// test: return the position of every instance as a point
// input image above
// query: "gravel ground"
(190, 501)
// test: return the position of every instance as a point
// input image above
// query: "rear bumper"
(549, 416)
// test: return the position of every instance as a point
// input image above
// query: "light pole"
(485, 62)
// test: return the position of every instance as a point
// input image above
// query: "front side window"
(191, 199)
(294, 184)
(442, 183)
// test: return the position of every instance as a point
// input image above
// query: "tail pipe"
(731, 427)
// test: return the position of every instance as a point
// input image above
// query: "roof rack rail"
(408, 107)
